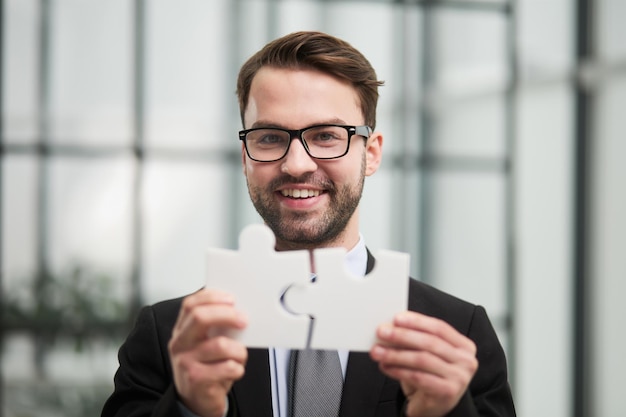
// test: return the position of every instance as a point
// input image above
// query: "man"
(308, 107)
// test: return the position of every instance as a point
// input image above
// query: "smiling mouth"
(298, 193)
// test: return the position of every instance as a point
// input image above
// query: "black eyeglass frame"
(363, 130)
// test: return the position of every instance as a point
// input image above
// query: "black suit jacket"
(144, 382)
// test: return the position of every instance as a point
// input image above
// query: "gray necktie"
(315, 383)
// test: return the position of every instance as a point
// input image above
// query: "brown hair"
(319, 51)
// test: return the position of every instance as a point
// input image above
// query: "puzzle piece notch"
(347, 309)
(257, 276)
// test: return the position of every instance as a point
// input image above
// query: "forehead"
(299, 97)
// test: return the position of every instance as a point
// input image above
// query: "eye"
(268, 137)
(326, 135)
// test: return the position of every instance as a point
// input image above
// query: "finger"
(427, 387)
(195, 325)
(219, 349)
(418, 379)
(206, 296)
(215, 362)
(401, 337)
(415, 340)
(424, 361)
(200, 298)
(413, 360)
(194, 374)
(432, 325)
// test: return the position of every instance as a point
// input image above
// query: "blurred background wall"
(505, 126)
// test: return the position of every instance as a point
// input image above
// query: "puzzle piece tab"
(348, 309)
(258, 276)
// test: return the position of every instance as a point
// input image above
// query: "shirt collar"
(356, 258)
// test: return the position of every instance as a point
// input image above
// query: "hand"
(206, 365)
(433, 362)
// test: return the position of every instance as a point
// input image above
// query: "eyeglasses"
(320, 141)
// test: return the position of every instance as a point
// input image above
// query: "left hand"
(433, 362)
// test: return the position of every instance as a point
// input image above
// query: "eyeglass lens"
(320, 142)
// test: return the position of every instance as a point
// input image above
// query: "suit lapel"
(362, 388)
(253, 393)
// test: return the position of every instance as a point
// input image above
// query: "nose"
(297, 161)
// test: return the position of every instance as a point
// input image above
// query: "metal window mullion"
(399, 218)
(235, 203)
(273, 23)
(469, 5)
(425, 115)
(584, 104)
(2, 158)
(43, 273)
(510, 218)
(139, 33)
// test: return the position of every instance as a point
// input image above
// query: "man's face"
(308, 202)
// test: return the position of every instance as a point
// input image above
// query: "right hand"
(205, 367)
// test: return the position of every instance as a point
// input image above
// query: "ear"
(373, 153)
(243, 158)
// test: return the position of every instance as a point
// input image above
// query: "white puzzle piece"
(348, 309)
(275, 291)
(257, 276)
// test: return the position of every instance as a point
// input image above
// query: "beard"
(301, 230)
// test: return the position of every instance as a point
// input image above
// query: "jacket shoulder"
(166, 312)
(431, 301)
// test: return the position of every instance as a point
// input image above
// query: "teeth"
(297, 193)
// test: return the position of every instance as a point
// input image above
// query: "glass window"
(190, 90)
(545, 38)
(19, 218)
(184, 214)
(468, 251)
(473, 128)
(543, 294)
(20, 74)
(610, 27)
(90, 74)
(469, 54)
(608, 263)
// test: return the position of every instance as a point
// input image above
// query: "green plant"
(78, 305)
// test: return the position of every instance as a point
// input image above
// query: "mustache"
(309, 179)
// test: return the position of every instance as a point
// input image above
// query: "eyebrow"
(268, 124)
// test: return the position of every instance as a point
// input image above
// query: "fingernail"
(402, 318)
(385, 331)
(377, 352)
